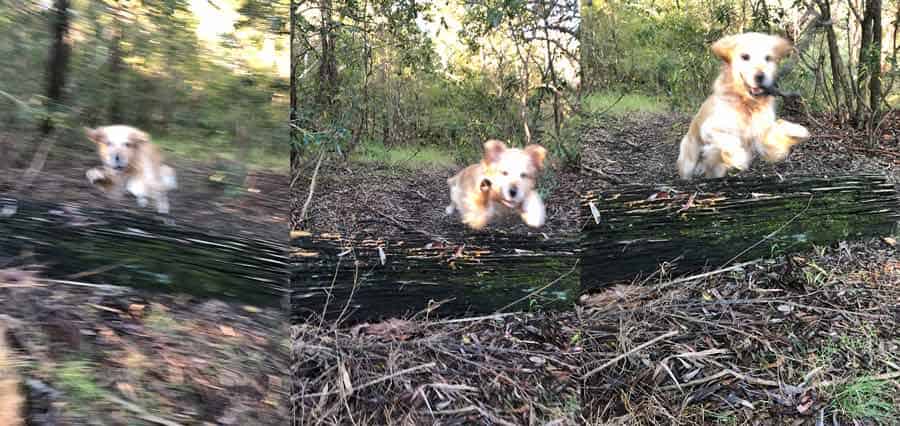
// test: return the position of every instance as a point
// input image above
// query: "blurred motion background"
(114, 315)
(207, 78)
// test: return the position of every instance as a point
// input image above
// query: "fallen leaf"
(889, 241)
(228, 331)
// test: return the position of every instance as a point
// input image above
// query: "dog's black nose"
(513, 191)
(759, 78)
(116, 159)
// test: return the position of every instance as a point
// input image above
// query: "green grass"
(77, 379)
(262, 156)
(611, 103)
(408, 157)
(865, 398)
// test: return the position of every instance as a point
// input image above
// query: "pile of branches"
(802, 340)
(506, 369)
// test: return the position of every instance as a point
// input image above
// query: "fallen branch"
(626, 354)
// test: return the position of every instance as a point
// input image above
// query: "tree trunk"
(473, 274)
(116, 67)
(58, 65)
(714, 223)
(875, 97)
(296, 153)
(328, 65)
(839, 83)
(863, 66)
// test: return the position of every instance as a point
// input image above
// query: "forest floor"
(103, 355)
(805, 339)
(362, 199)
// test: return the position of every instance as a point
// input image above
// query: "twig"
(473, 319)
(312, 187)
(376, 381)
(707, 274)
(630, 352)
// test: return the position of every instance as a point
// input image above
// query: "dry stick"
(471, 319)
(312, 187)
(540, 289)
(708, 274)
(376, 381)
(630, 352)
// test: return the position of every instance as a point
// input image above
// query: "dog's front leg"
(139, 190)
(723, 152)
(162, 203)
(533, 211)
(106, 182)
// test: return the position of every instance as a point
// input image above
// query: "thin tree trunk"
(863, 66)
(292, 118)
(116, 67)
(841, 91)
(875, 61)
(57, 66)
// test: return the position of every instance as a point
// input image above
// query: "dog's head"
(752, 59)
(117, 144)
(512, 171)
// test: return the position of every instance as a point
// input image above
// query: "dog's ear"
(493, 148)
(93, 134)
(537, 154)
(139, 137)
(781, 47)
(724, 47)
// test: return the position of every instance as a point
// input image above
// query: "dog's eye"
(505, 173)
(745, 57)
(523, 175)
(768, 58)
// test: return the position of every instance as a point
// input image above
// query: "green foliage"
(395, 91)
(653, 48)
(866, 398)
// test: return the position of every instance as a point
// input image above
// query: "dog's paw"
(795, 131)
(533, 212)
(94, 175)
(142, 201)
(449, 210)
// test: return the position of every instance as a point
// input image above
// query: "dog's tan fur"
(131, 163)
(737, 122)
(504, 180)
(12, 403)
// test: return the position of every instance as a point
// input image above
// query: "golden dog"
(737, 121)
(131, 162)
(504, 180)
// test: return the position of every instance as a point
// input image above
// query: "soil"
(805, 339)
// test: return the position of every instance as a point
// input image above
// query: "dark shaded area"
(367, 279)
(711, 224)
(114, 247)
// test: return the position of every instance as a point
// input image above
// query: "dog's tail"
(688, 157)
(167, 174)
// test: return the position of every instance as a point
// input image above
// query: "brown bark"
(875, 59)
(841, 91)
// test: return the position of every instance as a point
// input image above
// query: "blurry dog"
(504, 180)
(131, 162)
(737, 121)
